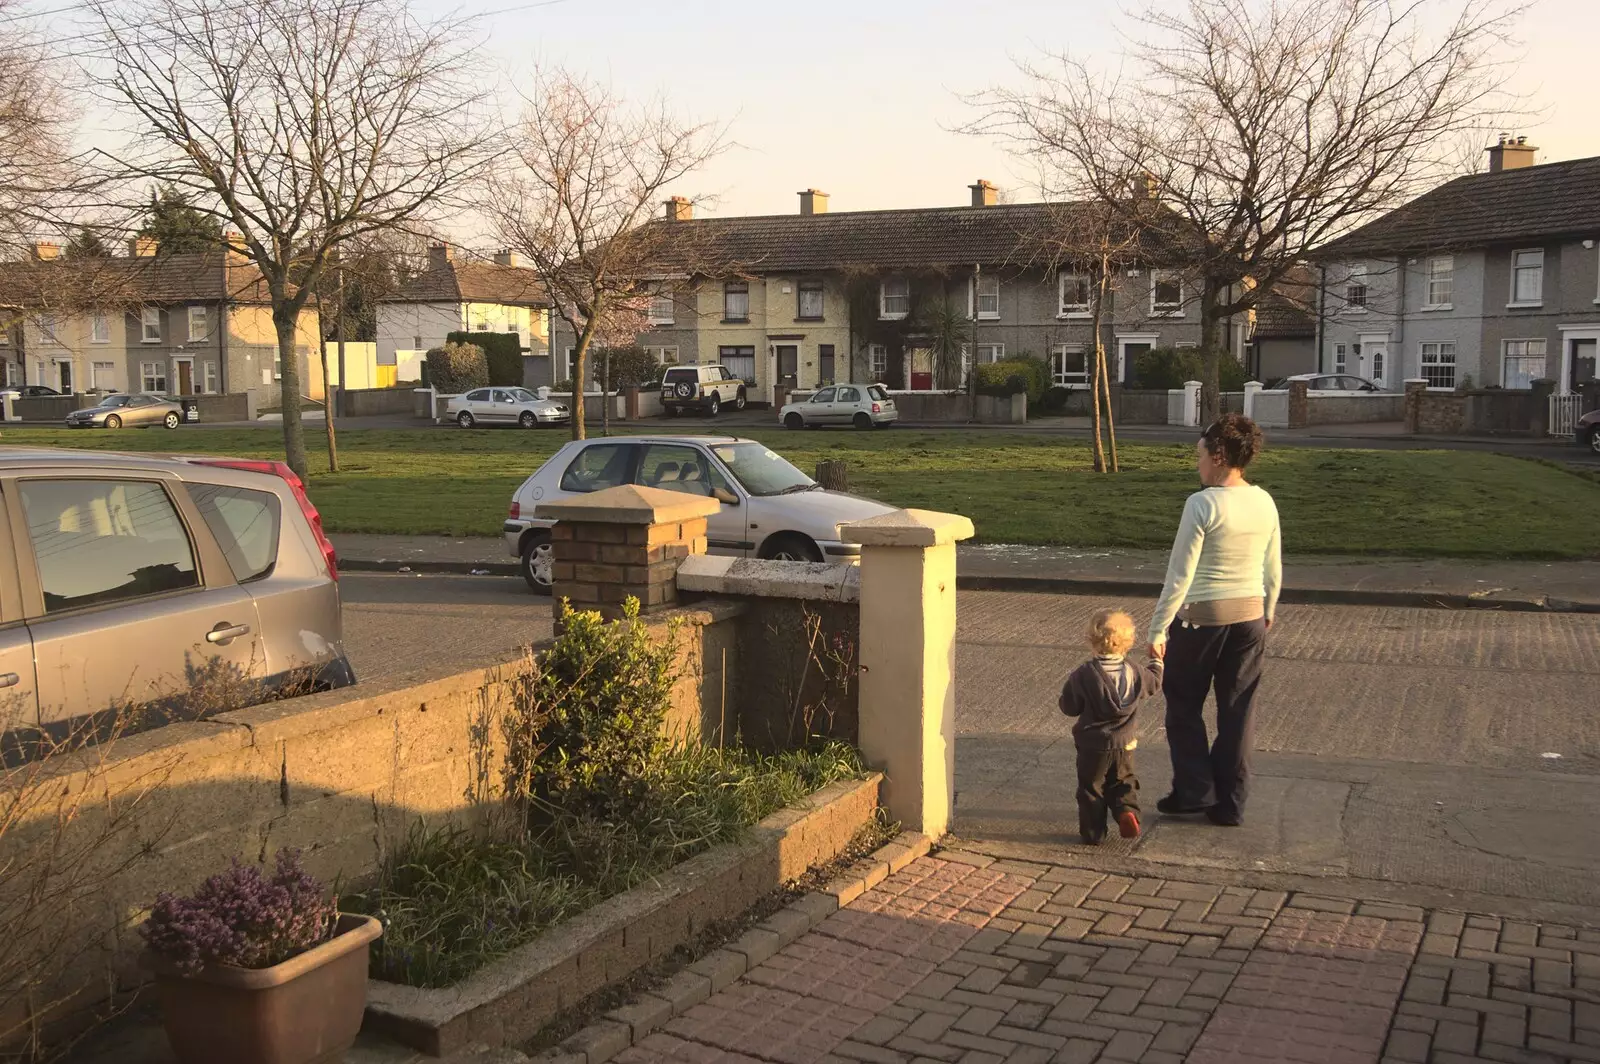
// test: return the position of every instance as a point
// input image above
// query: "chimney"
(236, 251)
(143, 247)
(440, 256)
(1512, 153)
(813, 201)
(984, 194)
(1145, 186)
(44, 251)
(679, 209)
(507, 258)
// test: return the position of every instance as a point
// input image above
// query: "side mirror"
(724, 496)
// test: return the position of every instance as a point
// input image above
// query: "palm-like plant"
(948, 330)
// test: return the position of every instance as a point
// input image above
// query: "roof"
(1288, 311)
(1532, 202)
(472, 282)
(186, 278)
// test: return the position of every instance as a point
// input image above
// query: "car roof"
(669, 439)
(22, 457)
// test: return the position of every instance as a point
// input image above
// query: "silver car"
(506, 406)
(770, 509)
(134, 411)
(865, 406)
(134, 583)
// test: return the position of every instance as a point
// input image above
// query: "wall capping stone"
(756, 578)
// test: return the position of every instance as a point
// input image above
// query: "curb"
(385, 565)
(630, 1024)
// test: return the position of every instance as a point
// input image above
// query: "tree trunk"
(833, 474)
(294, 436)
(1212, 346)
(1095, 376)
(580, 367)
(1111, 419)
(605, 391)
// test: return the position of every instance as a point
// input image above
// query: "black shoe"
(1172, 807)
(1222, 818)
(1092, 840)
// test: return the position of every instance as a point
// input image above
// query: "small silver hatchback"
(187, 584)
(864, 406)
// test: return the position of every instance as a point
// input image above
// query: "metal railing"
(1564, 413)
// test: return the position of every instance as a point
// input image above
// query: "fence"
(1564, 413)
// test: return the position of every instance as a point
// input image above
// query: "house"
(459, 295)
(1490, 280)
(1283, 341)
(179, 324)
(802, 299)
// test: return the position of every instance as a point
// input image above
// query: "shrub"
(1166, 367)
(630, 366)
(456, 368)
(501, 351)
(1016, 376)
(243, 918)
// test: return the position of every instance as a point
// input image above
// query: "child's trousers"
(1105, 782)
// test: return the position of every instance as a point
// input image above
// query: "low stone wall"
(1141, 407)
(1478, 412)
(1270, 410)
(960, 407)
(237, 406)
(50, 407)
(374, 402)
(1353, 408)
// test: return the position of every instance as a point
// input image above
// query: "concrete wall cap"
(756, 578)
(909, 528)
(630, 505)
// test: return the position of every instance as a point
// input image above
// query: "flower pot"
(306, 1010)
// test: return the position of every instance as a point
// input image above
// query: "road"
(1453, 753)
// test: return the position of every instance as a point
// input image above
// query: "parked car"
(506, 406)
(1332, 382)
(186, 582)
(706, 388)
(770, 509)
(134, 411)
(1588, 432)
(27, 391)
(866, 406)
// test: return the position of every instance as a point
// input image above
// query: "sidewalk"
(1565, 586)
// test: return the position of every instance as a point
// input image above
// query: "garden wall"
(1140, 407)
(960, 407)
(1331, 408)
(373, 402)
(49, 407)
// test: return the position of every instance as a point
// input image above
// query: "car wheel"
(1594, 439)
(713, 405)
(171, 420)
(465, 419)
(113, 421)
(538, 563)
(527, 420)
(739, 400)
(863, 420)
(790, 547)
(794, 421)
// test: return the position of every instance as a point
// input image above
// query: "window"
(1527, 278)
(479, 396)
(245, 524)
(1523, 364)
(150, 319)
(894, 298)
(1073, 290)
(104, 541)
(676, 467)
(1439, 364)
(1069, 365)
(667, 356)
(1339, 355)
(1441, 282)
(826, 395)
(600, 466)
(197, 324)
(482, 323)
(13, 374)
(1377, 366)
(810, 308)
(48, 324)
(849, 395)
(878, 361)
(736, 301)
(988, 292)
(153, 377)
(100, 329)
(1166, 293)
(663, 308)
(740, 361)
(103, 376)
(210, 378)
(825, 364)
(1355, 287)
(986, 352)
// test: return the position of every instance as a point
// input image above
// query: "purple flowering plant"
(243, 917)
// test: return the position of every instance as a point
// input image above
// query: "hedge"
(456, 368)
(503, 352)
(1029, 376)
(1166, 367)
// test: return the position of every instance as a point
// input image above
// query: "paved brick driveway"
(962, 958)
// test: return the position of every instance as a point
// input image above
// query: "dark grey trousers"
(1227, 659)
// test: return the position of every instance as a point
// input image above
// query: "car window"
(824, 396)
(115, 400)
(849, 395)
(678, 376)
(761, 471)
(479, 396)
(522, 395)
(599, 466)
(245, 525)
(676, 467)
(878, 393)
(100, 541)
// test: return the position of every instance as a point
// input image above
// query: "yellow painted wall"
(773, 313)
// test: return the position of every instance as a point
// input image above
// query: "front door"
(788, 371)
(1583, 363)
(921, 369)
(64, 370)
(1128, 353)
(184, 368)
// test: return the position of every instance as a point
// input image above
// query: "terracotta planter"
(306, 1010)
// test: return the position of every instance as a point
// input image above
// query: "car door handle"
(9, 679)
(225, 633)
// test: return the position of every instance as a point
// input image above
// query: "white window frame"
(1058, 375)
(110, 379)
(204, 318)
(208, 378)
(665, 354)
(732, 288)
(48, 325)
(877, 362)
(663, 307)
(1356, 278)
(1074, 310)
(153, 373)
(1439, 282)
(99, 328)
(1340, 357)
(150, 318)
(1521, 348)
(995, 352)
(977, 293)
(1438, 347)
(1538, 272)
(884, 313)
(1166, 310)
(803, 286)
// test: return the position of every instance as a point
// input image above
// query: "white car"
(505, 406)
(770, 509)
(865, 406)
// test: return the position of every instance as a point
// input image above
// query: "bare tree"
(33, 127)
(303, 125)
(1265, 127)
(578, 201)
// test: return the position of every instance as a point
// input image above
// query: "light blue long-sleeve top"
(1228, 546)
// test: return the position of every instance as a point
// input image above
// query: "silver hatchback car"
(185, 584)
(864, 406)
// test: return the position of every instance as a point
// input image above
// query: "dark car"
(28, 391)
(1588, 430)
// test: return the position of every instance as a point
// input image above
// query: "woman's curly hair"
(1234, 439)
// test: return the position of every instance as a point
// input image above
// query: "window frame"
(1059, 377)
(1431, 278)
(669, 297)
(1341, 357)
(49, 326)
(1352, 285)
(1438, 351)
(1166, 310)
(205, 322)
(100, 328)
(1506, 355)
(149, 318)
(884, 313)
(810, 286)
(1515, 303)
(1074, 310)
(878, 361)
(146, 376)
(734, 288)
(209, 378)
(997, 353)
(94, 374)
(976, 297)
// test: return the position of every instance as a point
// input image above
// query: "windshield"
(522, 395)
(761, 471)
(114, 400)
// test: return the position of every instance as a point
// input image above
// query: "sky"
(860, 99)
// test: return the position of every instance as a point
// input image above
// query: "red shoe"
(1128, 824)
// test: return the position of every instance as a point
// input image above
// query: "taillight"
(516, 510)
(876, 409)
(281, 469)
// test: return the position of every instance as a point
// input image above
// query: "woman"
(1211, 623)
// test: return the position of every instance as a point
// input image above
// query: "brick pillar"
(1299, 405)
(1415, 390)
(631, 400)
(623, 543)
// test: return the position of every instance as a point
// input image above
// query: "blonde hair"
(1112, 632)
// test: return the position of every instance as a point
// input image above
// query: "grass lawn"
(1016, 488)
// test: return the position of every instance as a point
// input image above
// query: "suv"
(705, 388)
(190, 584)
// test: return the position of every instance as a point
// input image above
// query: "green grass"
(1017, 488)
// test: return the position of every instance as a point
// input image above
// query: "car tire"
(792, 547)
(528, 419)
(538, 555)
(465, 419)
(113, 421)
(171, 421)
(739, 400)
(1594, 439)
(862, 420)
(794, 421)
(713, 405)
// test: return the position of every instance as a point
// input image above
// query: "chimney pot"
(984, 194)
(679, 209)
(44, 250)
(813, 201)
(143, 247)
(1511, 153)
(440, 256)
(506, 257)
